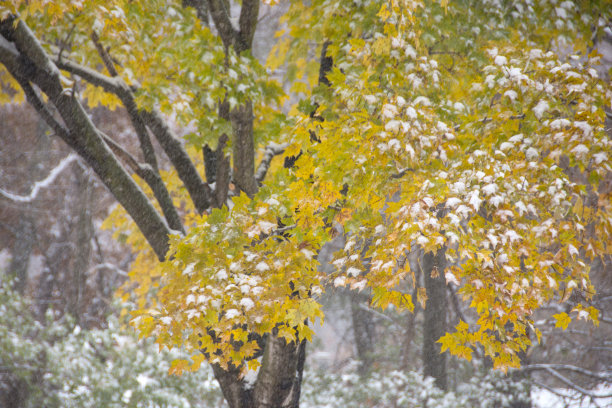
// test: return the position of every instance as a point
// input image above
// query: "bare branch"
(198, 190)
(573, 385)
(44, 183)
(34, 99)
(111, 85)
(106, 59)
(272, 150)
(366, 308)
(567, 367)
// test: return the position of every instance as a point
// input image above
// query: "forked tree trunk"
(278, 382)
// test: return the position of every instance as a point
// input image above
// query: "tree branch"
(573, 385)
(110, 85)
(272, 150)
(153, 180)
(244, 149)
(221, 18)
(200, 7)
(33, 65)
(106, 59)
(44, 183)
(199, 192)
(567, 367)
(247, 24)
(129, 101)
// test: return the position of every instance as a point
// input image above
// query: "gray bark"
(434, 325)
(364, 331)
(25, 235)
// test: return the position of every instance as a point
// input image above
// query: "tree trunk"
(434, 324)
(364, 331)
(22, 250)
(278, 382)
(82, 240)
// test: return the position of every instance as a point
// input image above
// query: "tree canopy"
(470, 129)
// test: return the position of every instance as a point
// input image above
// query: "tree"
(490, 143)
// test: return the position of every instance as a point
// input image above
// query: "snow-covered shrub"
(57, 364)
(406, 390)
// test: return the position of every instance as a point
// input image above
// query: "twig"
(567, 367)
(46, 182)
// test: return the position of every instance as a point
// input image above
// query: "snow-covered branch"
(46, 182)
(272, 150)
(552, 370)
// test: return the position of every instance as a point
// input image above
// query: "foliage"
(452, 126)
(59, 365)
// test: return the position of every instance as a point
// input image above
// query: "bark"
(186, 170)
(279, 380)
(434, 325)
(244, 149)
(364, 331)
(235, 391)
(201, 8)
(83, 246)
(217, 166)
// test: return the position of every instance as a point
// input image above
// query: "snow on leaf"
(340, 281)
(489, 189)
(540, 108)
(501, 60)
(189, 269)
(580, 150)
(221, 274)
(452, 202)
(422, 240)
(352, 271)
(531, 154)
(520, 206)
(231, 313)
(475, 200)
(247, 303)
(389, 111)
(450, 278)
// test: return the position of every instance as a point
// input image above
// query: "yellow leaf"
(422, 296)
(197, 362)
(563, 320)
(177, 367)
(446, 342)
